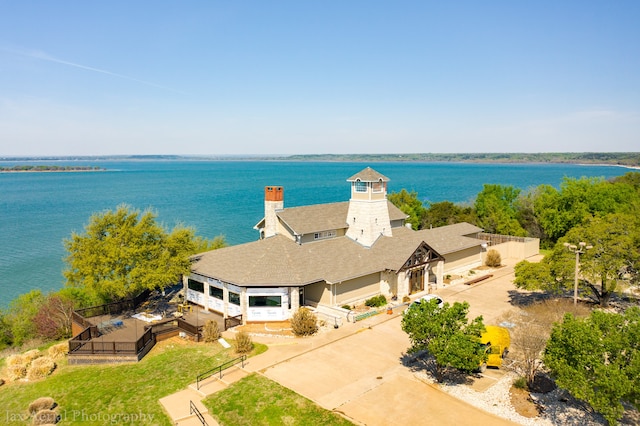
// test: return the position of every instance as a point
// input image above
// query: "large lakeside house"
(329, 255)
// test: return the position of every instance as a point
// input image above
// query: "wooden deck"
(132, 328)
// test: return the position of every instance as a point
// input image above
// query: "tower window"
(377, 186)
(360, 186)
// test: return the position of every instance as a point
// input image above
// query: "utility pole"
(579, 249)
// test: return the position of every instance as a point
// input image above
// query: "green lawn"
(256, 400)
(115, 394)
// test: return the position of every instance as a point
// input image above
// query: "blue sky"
(313, 77)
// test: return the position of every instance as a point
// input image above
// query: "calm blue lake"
(39, 210)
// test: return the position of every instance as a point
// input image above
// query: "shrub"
(347, 307)
(493, 259)
(16, 359)
(46, 417)
(15, 372)
(406, 299)
(43, 403)
(304, 322)
(376, 301)
(31, 355)
(520, 383)
(40, 368)
(58, 351)
(211, 331)
(243, 343)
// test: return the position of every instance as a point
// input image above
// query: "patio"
(126, 331)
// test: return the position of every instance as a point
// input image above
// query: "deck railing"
(232, 321)
(79, 345)
(114, 308)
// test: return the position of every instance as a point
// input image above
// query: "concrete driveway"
(362, 376)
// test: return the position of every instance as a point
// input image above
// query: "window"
(234, 298)
(360, 186)
(215, 292)
(196, 286)
(265, 301)
(377, 186)
(324, 234)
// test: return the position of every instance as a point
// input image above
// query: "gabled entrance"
(418, 266)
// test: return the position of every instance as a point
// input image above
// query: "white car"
(427, 298)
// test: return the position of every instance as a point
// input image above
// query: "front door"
(416, 281)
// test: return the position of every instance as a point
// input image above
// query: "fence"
(81, 345)
(114, 308)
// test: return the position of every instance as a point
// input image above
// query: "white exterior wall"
(268, 313)
(368, 220)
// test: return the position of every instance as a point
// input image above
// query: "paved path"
(357, 370)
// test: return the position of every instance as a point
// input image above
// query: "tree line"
(594, 355)
(49, 168)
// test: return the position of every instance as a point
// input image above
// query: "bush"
(347, 307)
(243, 343)
(46, 417)
(43, 403)
(376, 301)
(304, 322)
(15, 372)
(40, 368)
(406, 299)
(211, 331)
(493, 259)
(31, 355)
(520, 383)
(58, 351)
(16, 359)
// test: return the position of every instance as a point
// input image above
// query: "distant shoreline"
(629, 160)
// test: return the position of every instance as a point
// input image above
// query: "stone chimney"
(273, 202)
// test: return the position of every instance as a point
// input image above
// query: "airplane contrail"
(45, 57)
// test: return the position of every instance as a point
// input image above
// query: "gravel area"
(558, 408)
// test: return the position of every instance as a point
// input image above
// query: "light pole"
(578, 250)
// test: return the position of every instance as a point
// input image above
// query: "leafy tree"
(447, 213)
(123, 252)
(409, 203)
(613, 258)
(580, 199)
(496, 210)
(6, 338)
(597, 360)
(446, 334)
(22, 311)
(525, 206)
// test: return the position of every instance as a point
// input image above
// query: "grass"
(115, 394)
(256, 400)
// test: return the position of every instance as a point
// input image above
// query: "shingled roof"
(324, 217)
(368, 175)
(279, 261)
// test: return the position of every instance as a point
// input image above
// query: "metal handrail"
(219, 369)
(193, 409)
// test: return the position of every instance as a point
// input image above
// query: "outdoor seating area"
(128, 329)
